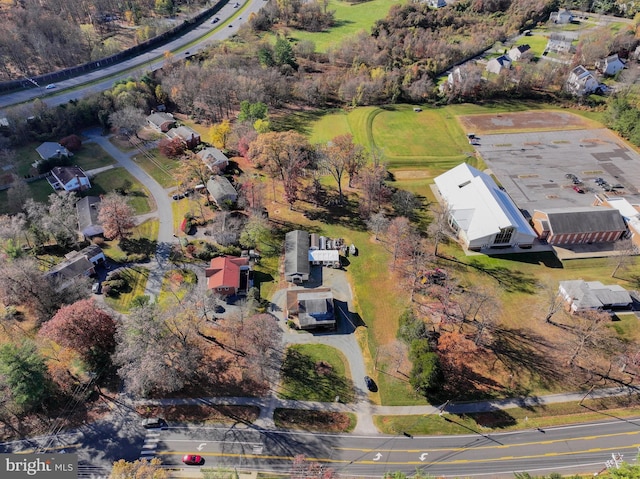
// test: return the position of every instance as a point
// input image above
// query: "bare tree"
(341, 156)
(129, 120)
(377, 223)
(625, 250)
(588, 332)
(439, 226)
(18, 194)
(116, 216)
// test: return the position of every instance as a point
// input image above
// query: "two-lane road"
(580, 448)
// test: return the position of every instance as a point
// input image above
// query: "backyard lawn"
(136, 278)
(139, 198)
(143, 236)
(159, 167)
(315, 372)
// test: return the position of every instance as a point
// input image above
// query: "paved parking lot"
(533, 167)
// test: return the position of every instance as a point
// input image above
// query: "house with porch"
(68, 178)
(188, 136)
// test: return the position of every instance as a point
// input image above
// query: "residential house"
(610, 66)
(483, 216)
(228, 275)
(517, 52)
(578, 225)
(437, 3)
(311, 308)
(188, 136)
(87, 211)
(581, 82)
(496, 65)
(558, 44)
(296, 256)
(561, 17)
(161, 122)
(68, 178)
(76, 264)
(215, 160)
(51, 149)
(222, 191)
(593, 295)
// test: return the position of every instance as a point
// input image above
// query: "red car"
(577, 189)
(192, 460)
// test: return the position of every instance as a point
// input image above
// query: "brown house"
(581, 225)
(188, 136)
(228, 275)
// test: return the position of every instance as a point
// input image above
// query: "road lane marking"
(399, 463)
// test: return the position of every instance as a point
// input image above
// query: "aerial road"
(231, 18)
(571, 449)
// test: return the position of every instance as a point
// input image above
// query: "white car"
(50, 86)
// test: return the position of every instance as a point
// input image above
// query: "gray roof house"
(87, 211)
(581, 82)
(214, 159)
(610, 65)
(311, 308)
(51, 149)
(221, 190)
(496, 65)
(162, 122)
(562, 17)
(296, 256)
(188, 136)
(593, 295)
(517, 52)
(558, 44)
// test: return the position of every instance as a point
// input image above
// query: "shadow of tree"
(512, 280)
(304, 379)
(138, 246)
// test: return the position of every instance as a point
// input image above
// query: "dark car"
(371, 384)
(153, 423)
(192, 460)
(219, 308)
(178, 196)
(215, 20)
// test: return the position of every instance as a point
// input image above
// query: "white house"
(517, 52)
(437, 3)
(496, 65)
(581, 82)
(68, 178)
(562, 17)
(482, 215)
(610, 65)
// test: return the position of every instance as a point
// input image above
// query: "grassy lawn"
(146, 232)
(315, 421)
(509, 419)
(92, 156)
(315, 372)
(536, 42)
(350, 19)
(175, 286)
(137, 280)
(138, 196)
(159, 167)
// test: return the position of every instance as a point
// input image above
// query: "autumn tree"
(83, 327)
(588, 333)
(22, 283)
(303, 468)
(251, 194)
(153, 352)
(378, 223)
(57, 218)
(172, 147)
(405, 203)
(72, 142)
(129, 120)
(139, 469)
(285, 155)
(219, 134)
(626, 251)
(371, 180)
(401, 239)
(17, 194)
(23, 371)
(116, 216)
(454, 350)
(341, 156)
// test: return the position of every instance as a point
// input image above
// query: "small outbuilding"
(296, 256)
(311, 308)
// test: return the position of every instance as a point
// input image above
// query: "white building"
(581, 82)
(610, 65)
(593, 295)
(483, 215)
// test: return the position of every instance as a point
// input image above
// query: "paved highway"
(230, 21)
(581, 448)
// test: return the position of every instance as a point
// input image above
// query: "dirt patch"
(323, 368)
(316, 421)
(411, 174)
(523, 121)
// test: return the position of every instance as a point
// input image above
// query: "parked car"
(95, 287)
(153, 422)
(178, 196)
(236, 5)
(371, 384)
(192, 459)
(577, 189)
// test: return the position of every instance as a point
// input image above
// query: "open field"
(527, 121)
(350, 19)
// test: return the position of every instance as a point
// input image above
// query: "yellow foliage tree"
(219, 134)
(140, 469)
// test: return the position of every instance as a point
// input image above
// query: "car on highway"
(236, 5)
(192, 459)
(215, 20)
(153, 422)
(50, 86)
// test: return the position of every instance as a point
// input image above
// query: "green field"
(159, 167)
(138, 196)
(536, 42)
(350, 19)
(315, 372)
